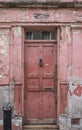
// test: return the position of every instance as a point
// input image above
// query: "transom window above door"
(41, 35)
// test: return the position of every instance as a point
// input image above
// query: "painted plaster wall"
(10, 67)
(71, 67)
(6, 92)
(75, 79)
(4, 55)
(41, 15)
(11, 44)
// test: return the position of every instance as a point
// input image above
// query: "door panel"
(48, 83)
(40, 85)
(49, 59)
(33, 84)
(33, 105)
(32, 56)
(31, 67)
(48, 105)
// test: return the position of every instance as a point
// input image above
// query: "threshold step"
(38, 127)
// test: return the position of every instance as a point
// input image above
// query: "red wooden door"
(40, 82)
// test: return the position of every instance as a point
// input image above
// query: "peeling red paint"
(78, 91)
(4, 56)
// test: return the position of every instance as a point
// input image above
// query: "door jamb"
(58, 59)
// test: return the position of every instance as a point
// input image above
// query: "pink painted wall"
(55, 16)
(69, 21)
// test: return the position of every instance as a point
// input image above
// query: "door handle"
(40, 62)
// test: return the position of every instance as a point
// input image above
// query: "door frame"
(58, 59)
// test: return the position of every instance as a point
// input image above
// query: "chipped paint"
(26, 17)
(78, 91)
(75, 79)
(4, 42)
(69, 72)
(73, 84)
(74, 106)
(4, 31)
(4, 53)
(17, 31)
(76, 32)
(68, 33)
(55, 15)
(4, 45)
(2, 76)
(75, 89)
(3, 71)
(41, 16)
(61, 36)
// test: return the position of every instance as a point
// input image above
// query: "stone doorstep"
(40, 129)
(16, 124)
(37, 127)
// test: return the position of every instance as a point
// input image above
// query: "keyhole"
(40, 62)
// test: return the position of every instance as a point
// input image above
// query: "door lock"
(40, 62)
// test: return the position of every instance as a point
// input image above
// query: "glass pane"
(46, 35)
(53, 35)
(41, 35)
(36, 35)
(28, 35)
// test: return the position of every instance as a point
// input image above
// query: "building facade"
(40, 62)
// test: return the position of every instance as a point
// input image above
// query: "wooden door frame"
(22, 51)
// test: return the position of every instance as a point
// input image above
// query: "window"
(40, 35)
(28, 35)
(46, 35)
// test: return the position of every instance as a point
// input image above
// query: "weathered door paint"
(40, 82)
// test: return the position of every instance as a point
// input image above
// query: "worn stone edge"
(22, 4)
